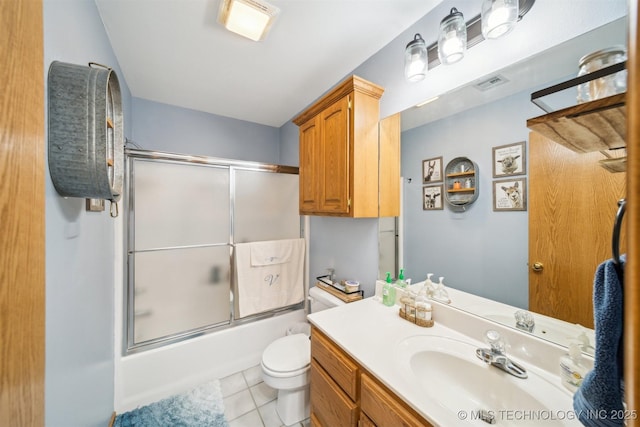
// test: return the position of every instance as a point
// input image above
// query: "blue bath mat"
(199, 407)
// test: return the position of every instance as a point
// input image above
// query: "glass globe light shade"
(415, 59)
(499, 17)
(452, 39)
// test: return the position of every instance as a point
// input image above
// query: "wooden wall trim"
(632, 269)
(22, 166)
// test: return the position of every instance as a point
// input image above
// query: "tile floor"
(249, 402)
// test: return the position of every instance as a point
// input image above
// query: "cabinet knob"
(537, 266)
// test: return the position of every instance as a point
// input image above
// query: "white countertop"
(371, 334)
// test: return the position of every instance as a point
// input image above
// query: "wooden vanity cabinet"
(344, 394)
(334, 384)
(339, 152)
(382, 408)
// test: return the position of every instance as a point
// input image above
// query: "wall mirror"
(480, 251)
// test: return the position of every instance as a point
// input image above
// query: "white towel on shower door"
(269, 275)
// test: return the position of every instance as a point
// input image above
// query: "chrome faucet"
(497, 356)
(524, 320)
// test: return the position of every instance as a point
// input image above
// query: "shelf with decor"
(461, 182)
(596, 125)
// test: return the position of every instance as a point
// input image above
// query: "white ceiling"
(175, 52)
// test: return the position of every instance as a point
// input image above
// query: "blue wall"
(479, 250)
(80, 252)
(162, 127)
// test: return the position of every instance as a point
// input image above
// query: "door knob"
(537, 266)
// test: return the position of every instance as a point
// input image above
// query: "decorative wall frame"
(432, 197)
(509, 160)
(432, 170)
(510, 195)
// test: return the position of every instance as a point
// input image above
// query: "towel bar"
(615, 240)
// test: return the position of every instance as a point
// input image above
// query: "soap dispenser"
(440, 293)
(388, 292)
(401, 283)
(429, 286)
(572, 368)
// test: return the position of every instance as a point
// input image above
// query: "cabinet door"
(365, 421)
(330, 406)
(389, 167)
(311, 166)
(335, 137)
(384, 409)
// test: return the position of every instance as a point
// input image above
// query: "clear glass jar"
(607, 85)
(452, 39)
(415, 59)
(499, 17)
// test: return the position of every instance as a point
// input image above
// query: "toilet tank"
(322, 300)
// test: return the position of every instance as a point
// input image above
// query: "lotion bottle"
(388, 292)
(572, 368)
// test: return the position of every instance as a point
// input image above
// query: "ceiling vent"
(491, 82)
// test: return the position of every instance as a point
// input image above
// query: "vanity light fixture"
(475, 29)
(249, 18)
(452, 39)
(415, 59)
(499, 17)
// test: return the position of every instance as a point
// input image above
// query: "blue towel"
(598, 401)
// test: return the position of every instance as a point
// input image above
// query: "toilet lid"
(289, 353)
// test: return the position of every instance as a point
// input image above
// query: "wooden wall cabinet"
(340, 150)
(344, 394)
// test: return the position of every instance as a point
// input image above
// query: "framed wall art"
(509, 160)
(432, 197)
(432, 170)
(510, 195)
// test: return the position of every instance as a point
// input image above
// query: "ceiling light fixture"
(452, 39)
(415, 59)
(499, 17)
(249, 18)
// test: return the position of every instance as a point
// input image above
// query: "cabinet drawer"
(384, 408)
(330, 406)
(338, 365)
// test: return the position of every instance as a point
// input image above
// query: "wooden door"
(335, 186)
(22, 304)
(572, 207)
(310, 166)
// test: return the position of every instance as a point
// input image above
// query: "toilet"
(286, 363)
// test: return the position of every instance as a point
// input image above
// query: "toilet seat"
(287, 356)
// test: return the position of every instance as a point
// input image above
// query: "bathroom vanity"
(343, 392)
(370, 367)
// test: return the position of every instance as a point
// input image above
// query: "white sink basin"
(452, 376)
